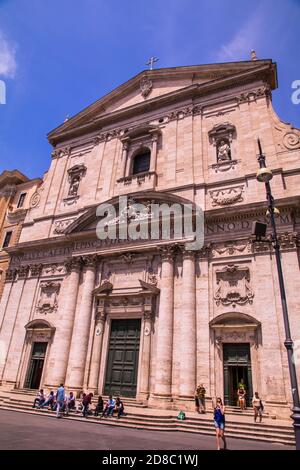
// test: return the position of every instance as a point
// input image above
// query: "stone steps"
(235, 429)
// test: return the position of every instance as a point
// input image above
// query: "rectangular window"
(7, 239)
(21, 200)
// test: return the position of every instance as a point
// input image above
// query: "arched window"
(141, 162)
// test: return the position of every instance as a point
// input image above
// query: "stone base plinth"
(161, 401)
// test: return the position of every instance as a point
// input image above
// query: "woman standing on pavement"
(219, 422)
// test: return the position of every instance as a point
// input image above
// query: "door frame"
(244, 329)
(139, 350)
(37, 331)
(247, 366)
(29, 364)
(105, 348)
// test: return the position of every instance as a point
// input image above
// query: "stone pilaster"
(80, 335)
(145, 366)
(188, 327)
(163, 373)
(58, 360)
(154, 151)
(124, 156)
(97, 350)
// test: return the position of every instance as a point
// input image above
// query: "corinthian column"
(59, 353)
(188, 327)
(81, 329)
(163, 373)
(96, 351)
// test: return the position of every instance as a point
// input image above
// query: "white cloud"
(244, 40)
(8, 65)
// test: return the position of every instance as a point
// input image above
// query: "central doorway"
(237, 367)
(36, 365)
(123, 356)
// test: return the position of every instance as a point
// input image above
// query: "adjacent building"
(150, 318)
(15, 193)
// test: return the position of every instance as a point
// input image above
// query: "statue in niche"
(74, 185)
(223, 151)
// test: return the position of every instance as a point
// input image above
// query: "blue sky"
(58, 56)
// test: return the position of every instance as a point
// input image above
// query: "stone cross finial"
(151, 61)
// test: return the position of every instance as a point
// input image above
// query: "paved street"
(24, 431)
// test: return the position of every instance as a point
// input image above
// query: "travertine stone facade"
(147, 318)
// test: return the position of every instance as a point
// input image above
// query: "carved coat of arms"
(145, 86)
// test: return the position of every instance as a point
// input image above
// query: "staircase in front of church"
(238, 425)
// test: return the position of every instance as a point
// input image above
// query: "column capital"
(23, 271)
(10, 275)
(73, 264)
(188, 254)
(167, 253)
(90, 261)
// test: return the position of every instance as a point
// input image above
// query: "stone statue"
(73, 190)
(223, 151)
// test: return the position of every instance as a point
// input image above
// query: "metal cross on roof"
(151, 61)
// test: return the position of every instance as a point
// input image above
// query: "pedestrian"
(200, 399)
(70, 402)
(86, 401)
(119, 407)
(257, 407)
(49, 402)
(219, 422)
(109, 407)
(99, 406)
(79, 406)
(60, 400)
(242, 398)
(39, 399)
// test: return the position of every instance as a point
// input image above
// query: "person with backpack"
(257, 407)
(219, 422)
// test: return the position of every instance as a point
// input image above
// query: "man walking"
(60, 400)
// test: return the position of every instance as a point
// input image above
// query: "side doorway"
(237, 369)
(36, 365)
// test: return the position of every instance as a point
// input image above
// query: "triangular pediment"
(87, 222)
(151, 85)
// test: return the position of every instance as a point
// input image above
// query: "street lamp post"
(264, 175)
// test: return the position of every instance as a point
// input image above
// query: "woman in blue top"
(219, 422)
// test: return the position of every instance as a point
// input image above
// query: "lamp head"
(275, 211)
(264, 175)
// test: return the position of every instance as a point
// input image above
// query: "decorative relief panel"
(227, 196)
(47, 302)
(231, 248)
(54, 270)
(61, 225)
(36, 198)
(233, 286)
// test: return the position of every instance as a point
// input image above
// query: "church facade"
(150, 318)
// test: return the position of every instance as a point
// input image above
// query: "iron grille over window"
(141, 162)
